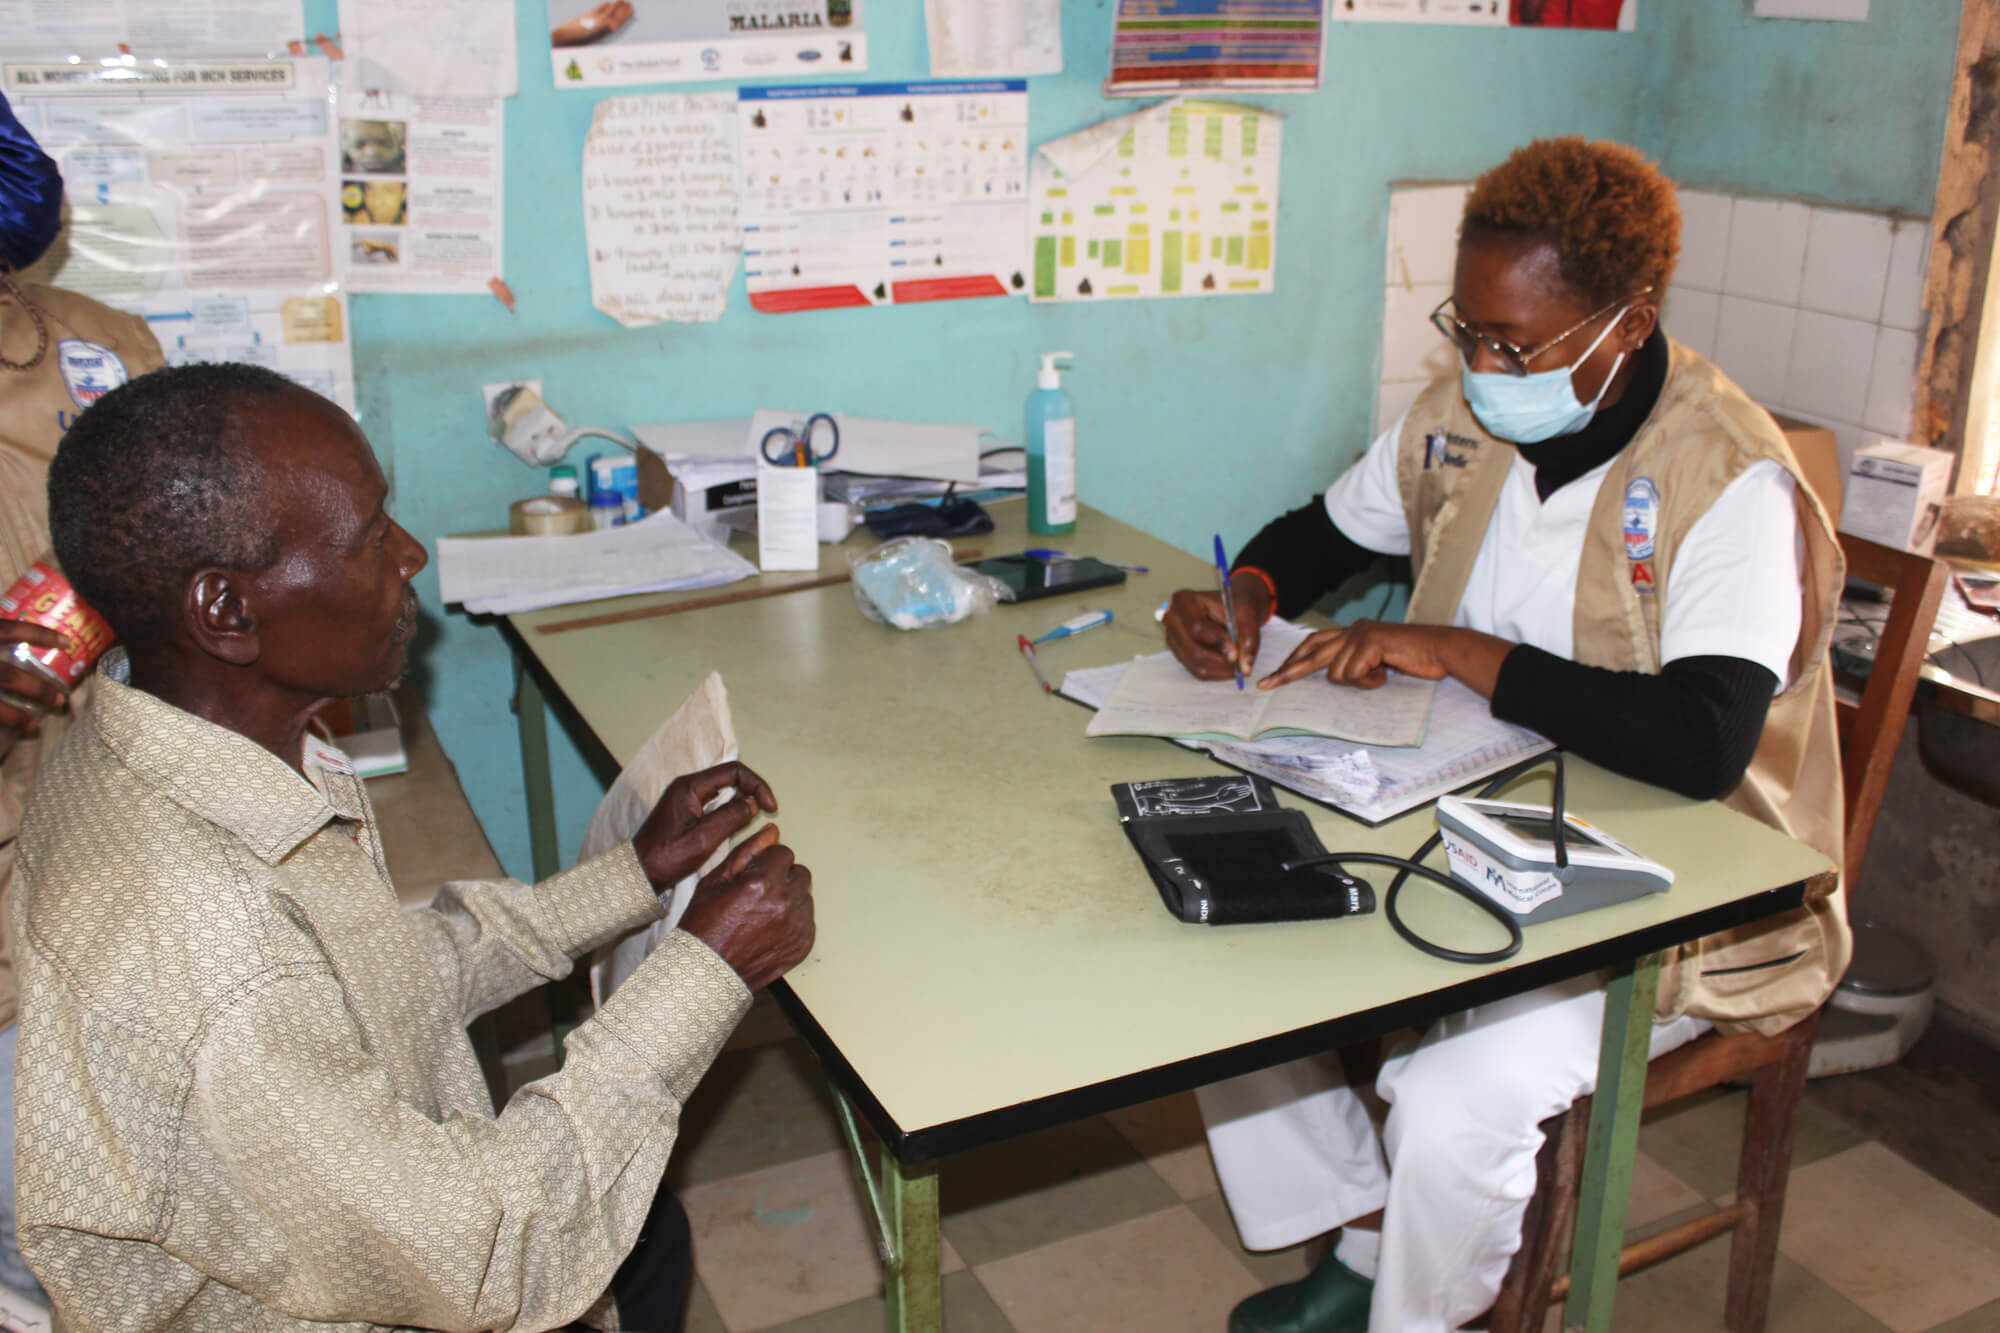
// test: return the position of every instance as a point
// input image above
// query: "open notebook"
(1463, 743)
(1155, 696)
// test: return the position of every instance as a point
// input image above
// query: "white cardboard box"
(1895, 493)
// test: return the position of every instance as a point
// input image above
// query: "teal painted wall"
(1196, 415)
(1838, 113)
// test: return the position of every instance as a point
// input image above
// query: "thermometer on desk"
(1076, 625)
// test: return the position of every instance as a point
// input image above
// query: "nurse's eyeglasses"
(1514, 360)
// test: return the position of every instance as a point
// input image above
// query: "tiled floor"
(1115, 1223)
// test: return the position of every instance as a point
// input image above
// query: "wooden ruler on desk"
(714, 599)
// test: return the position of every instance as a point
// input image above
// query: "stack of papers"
(505, 575)
(1462, 743)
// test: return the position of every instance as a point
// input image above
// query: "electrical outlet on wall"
(518, 418)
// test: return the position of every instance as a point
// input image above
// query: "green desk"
(992, 959)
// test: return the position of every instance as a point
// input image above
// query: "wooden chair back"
(1871, 724)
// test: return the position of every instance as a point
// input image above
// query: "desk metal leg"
(532, 717)
(905, 1204)
(1613, 1141)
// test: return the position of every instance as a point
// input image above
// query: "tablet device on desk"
(1031, 577)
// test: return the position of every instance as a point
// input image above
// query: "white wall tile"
(1847, 437)
(1847, 262)
(1690, 315)
(1704, 240)
(1892, 384)
(1767, 250)
(1830, 361)
(1753, 345)
(1909, 256)
(1411, 348)
(1391, 398)
(1423, 232)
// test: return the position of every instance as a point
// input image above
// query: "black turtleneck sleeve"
(1306, 556)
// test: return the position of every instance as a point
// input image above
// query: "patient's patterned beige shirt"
(246, 1097)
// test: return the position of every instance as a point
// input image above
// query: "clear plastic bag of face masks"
(913, 582)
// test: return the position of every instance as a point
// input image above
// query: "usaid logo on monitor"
(89, 370)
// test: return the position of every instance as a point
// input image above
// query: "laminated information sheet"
(598, 42)
(421, 191)
(1180, 199)
(1160, 45)
(150, 27)
(431, 48)
(882, 193)
(202, 196)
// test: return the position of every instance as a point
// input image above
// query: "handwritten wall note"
(659, 207)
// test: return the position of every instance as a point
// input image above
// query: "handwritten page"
(974, 39)
(1157, 697)
(660, 212)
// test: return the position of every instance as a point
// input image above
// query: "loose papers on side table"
(1180, 199)
(1155, 696)
(882, 193)
(1462, 743)
(659, 207)
(504, 575)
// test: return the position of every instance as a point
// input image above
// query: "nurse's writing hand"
(1363, 654)
(677, 836)
(1198, 634)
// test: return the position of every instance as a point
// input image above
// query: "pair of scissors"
(797, 444)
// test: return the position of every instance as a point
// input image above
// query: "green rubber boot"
(1333, 1298)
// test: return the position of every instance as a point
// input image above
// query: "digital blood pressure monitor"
(1507, 851)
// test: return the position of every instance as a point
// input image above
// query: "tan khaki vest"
(1700, 436)
(36, 407)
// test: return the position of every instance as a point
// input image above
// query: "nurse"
(1614, 545)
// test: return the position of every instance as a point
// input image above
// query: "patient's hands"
(755, 909)
(677, 837)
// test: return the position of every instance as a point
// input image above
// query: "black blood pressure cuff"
(949, 518)
(1216, 848)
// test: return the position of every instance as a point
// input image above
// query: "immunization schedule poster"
(203, 197)
(685, 41)
(882, 193)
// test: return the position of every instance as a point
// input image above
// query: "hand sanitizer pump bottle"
(1051, 446)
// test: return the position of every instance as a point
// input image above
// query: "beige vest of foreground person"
(1702, 433)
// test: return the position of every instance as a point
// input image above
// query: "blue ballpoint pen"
(1228, 602)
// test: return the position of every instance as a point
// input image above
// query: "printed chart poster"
(150, 27)
(1621, 15)
(1160, 45)
(202, 195)
(684, 41)
(883, 193)
(1180, 199)
(420, 191)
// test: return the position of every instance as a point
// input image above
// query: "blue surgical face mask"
(1528, 409)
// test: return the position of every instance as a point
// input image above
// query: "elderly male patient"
(247, 1099)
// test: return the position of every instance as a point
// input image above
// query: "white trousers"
(1298, 1156)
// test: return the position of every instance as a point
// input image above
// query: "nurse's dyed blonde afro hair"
(1609, 213)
